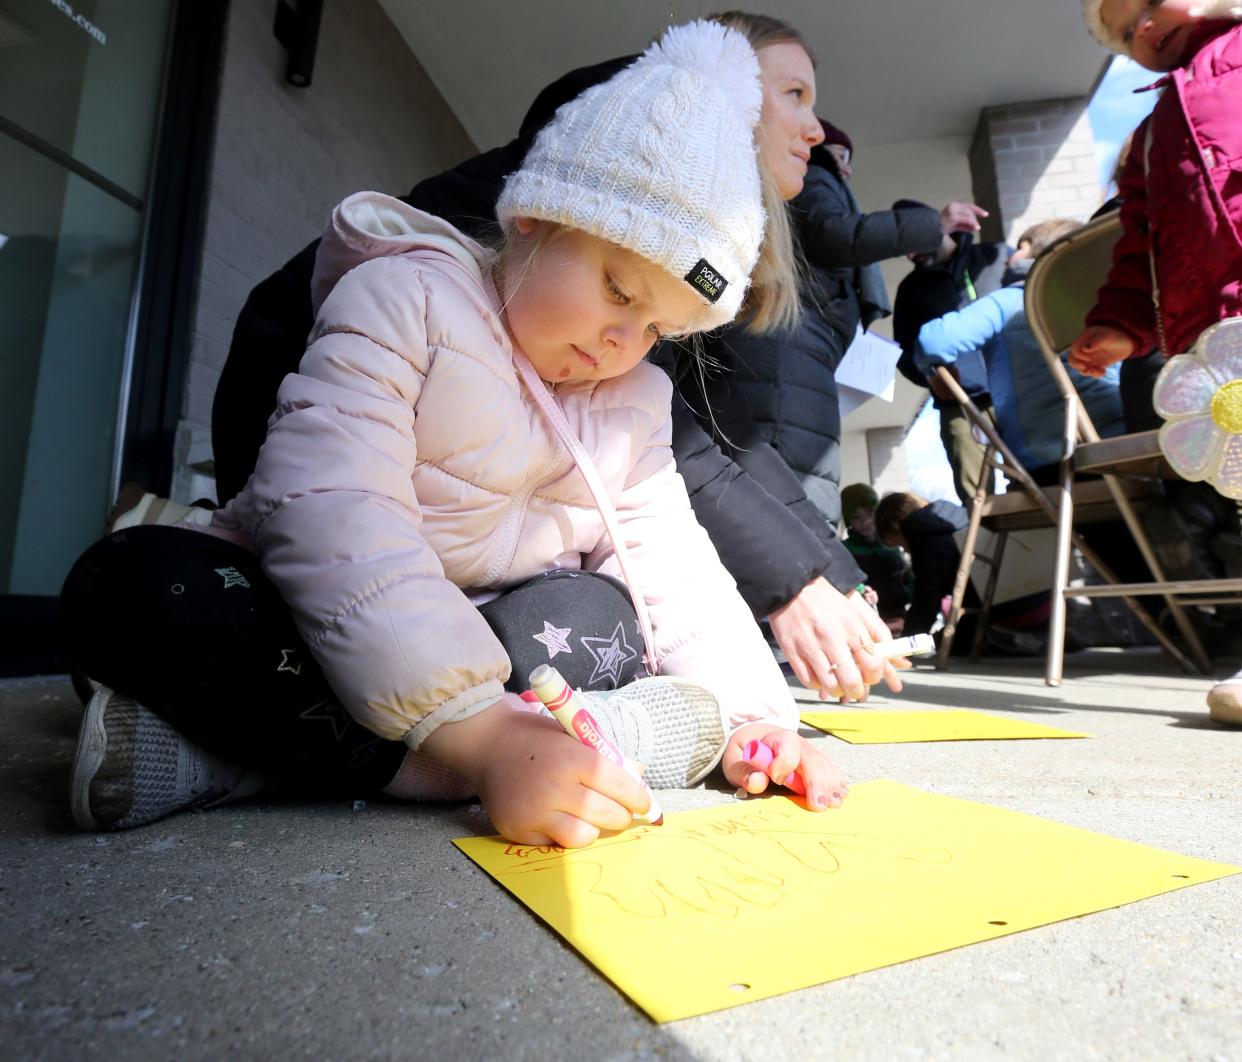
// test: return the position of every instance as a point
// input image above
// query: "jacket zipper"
(1155, 301)
(1151, 251)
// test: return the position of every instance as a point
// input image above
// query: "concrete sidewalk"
(319, 930)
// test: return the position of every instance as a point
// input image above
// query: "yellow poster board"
(865, 726)
(751, 899)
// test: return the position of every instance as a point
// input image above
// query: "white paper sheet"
(867, 371)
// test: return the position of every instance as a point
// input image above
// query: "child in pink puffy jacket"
(1177, 268)
(430, 465)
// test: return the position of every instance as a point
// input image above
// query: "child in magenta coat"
(1177, 268)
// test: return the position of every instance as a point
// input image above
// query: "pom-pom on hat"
(661, 160)
(1091, 15)
(1207, 9)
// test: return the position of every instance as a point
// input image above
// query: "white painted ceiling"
(889, 70)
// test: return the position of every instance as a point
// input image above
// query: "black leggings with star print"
(188, 624)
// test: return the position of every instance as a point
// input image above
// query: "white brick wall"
(284, 156)
(886, 459)
(1043, 160)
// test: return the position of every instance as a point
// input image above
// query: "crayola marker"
(558, 697)
(915, 645)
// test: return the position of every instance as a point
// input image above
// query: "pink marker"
(758, 754)
(558, 697)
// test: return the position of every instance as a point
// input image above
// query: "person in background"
(1177, 268)
(1028, 406)
(959, 271)
(925, 530)
(887, 568)
(848, 244)
(779, 389)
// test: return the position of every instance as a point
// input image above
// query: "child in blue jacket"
(1029, 408)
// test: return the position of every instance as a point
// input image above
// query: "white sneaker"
(132, 768)
(672, 726)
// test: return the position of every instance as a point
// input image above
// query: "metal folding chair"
(1060, 289)
(1032, 506)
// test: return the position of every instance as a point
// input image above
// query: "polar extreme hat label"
(705, 277)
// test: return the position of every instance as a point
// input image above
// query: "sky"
(1116, 109)
(928, 468)
(1113, 112)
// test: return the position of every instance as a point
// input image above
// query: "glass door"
(80, 90)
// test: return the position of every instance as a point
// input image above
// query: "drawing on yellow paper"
(748, 900)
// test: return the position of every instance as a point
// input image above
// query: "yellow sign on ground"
(865, 726)
(750, 899)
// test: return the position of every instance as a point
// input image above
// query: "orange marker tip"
(659, 821)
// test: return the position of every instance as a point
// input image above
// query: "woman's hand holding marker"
(877, 634)
(827, 636)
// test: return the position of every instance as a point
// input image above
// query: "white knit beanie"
(661, 160)
(1207, 9)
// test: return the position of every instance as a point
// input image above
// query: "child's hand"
(1098, 347)
(538, 784)
(825, 784)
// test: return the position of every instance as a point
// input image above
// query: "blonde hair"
(763, 30)
(506, 248)
(1046, 233)
(772, 301)
(509, 271)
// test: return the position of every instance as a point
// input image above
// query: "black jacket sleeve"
(772, 472)
(761, 527)
(834, 233)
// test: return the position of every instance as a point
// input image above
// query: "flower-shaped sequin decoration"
(1200, 397)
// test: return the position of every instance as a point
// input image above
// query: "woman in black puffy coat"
(779, 388)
